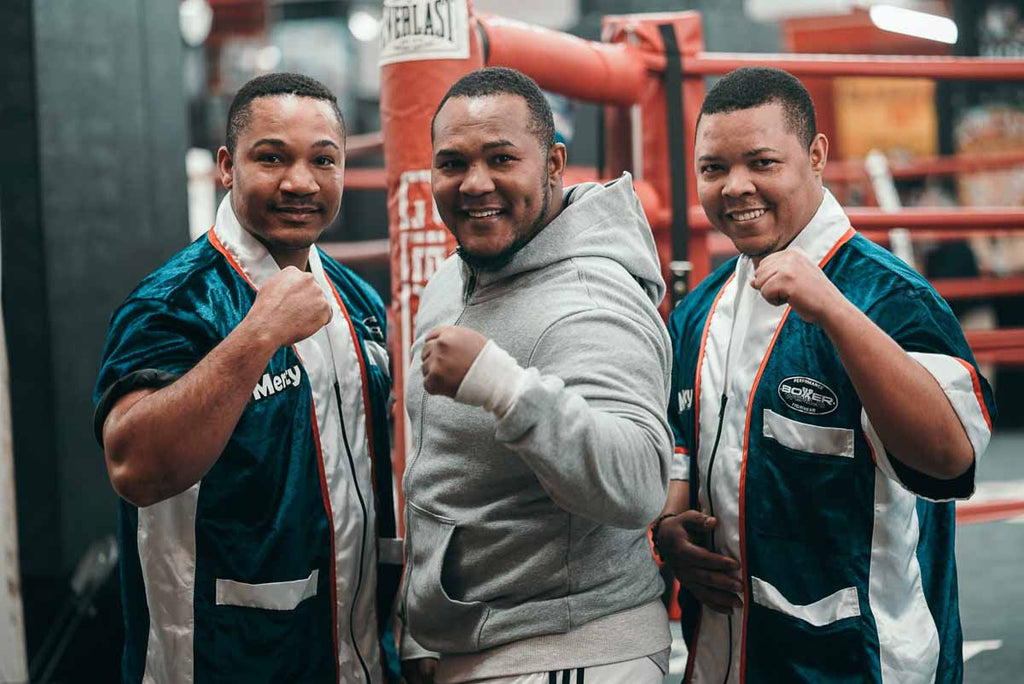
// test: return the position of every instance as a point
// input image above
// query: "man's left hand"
(790, 277)
(447, 354)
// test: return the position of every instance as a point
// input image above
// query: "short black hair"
(505, 81)
(270, 85)
(749, 87)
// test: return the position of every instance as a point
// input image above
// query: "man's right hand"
(419, 671)
(289, 307)
(710, 577)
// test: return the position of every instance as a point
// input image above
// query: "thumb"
(699, 522)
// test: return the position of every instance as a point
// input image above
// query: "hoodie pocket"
(436, 620)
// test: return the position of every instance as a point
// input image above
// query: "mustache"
(296, 206)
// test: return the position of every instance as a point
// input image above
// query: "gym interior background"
(111, 111)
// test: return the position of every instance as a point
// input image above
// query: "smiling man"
(541, 449)
(826, 411)
(242, 407)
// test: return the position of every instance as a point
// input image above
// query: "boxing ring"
(648, 73)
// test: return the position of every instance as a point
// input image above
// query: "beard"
(770, 248)
(496, 262)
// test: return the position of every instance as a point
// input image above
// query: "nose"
(299, 180)
(477, 181)
(738, 183)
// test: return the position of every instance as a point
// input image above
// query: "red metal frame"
(848, 170)
(597, 72)
(867, 218)
(891, 66)
(1004, 346)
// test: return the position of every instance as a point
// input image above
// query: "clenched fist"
(289, 307)
(447, 354)
(790, 277)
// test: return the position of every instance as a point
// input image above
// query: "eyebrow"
(277, 142)
(499, 143)
(486, 146)
(749, 153)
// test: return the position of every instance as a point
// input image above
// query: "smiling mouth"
(745, 215)
(482, 213)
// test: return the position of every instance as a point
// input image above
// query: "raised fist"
(290, 307)
(447, 354)
(790, 277)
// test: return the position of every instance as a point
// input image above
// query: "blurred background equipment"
(93, 570)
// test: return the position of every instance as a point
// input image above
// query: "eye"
(450, 164)
(324, 161)
(765, 163)
(268, 158)
(502, 158)
(707, 169)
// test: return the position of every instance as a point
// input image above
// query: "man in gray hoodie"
(541, 449)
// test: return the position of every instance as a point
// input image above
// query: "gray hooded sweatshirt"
(526, 536)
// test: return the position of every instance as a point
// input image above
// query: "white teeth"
(484, 214)
(747, 215)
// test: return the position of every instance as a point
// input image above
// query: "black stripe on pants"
(553, 676)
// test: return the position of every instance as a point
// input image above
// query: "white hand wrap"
(494, 381)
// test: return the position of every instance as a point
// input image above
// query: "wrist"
(836, 314)
(656, 528)
(259, 338)
(493, 381)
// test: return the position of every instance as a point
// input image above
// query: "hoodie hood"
(596, 220)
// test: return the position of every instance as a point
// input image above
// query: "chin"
(292, 242)
(488, 261)
(758, 249)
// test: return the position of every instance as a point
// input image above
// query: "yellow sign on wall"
(894, 115)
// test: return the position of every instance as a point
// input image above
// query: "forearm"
(159, 443)
(678, 499)
(907, 407)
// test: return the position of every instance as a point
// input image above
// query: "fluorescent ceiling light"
(913, 23)
(364, 26)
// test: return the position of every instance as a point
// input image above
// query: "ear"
(556, 163)
(225, 167)
(819, 153)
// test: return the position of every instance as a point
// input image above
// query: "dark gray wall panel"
(112, 126)
(25, 300)
(110, 187)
